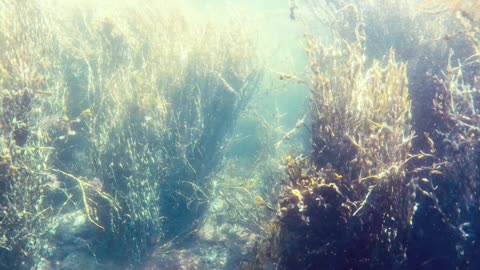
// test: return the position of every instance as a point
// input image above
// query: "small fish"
(293, 7)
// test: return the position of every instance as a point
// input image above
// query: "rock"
(79, 261)
(73, 225)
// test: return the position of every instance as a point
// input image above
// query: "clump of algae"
(111, 109)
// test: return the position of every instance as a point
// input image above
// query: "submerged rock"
(70, 244)
(196, 258)
(79, 260)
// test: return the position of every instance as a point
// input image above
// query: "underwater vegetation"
(392, 181)
(121, 148)
(111, 119)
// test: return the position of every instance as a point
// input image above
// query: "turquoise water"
(239, 135)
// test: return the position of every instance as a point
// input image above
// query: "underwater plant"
(339, 205)
(373, 195)
(468, 9)
(111, 118)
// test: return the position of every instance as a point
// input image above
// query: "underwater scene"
(239, 134)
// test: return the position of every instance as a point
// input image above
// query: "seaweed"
(118, 115)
